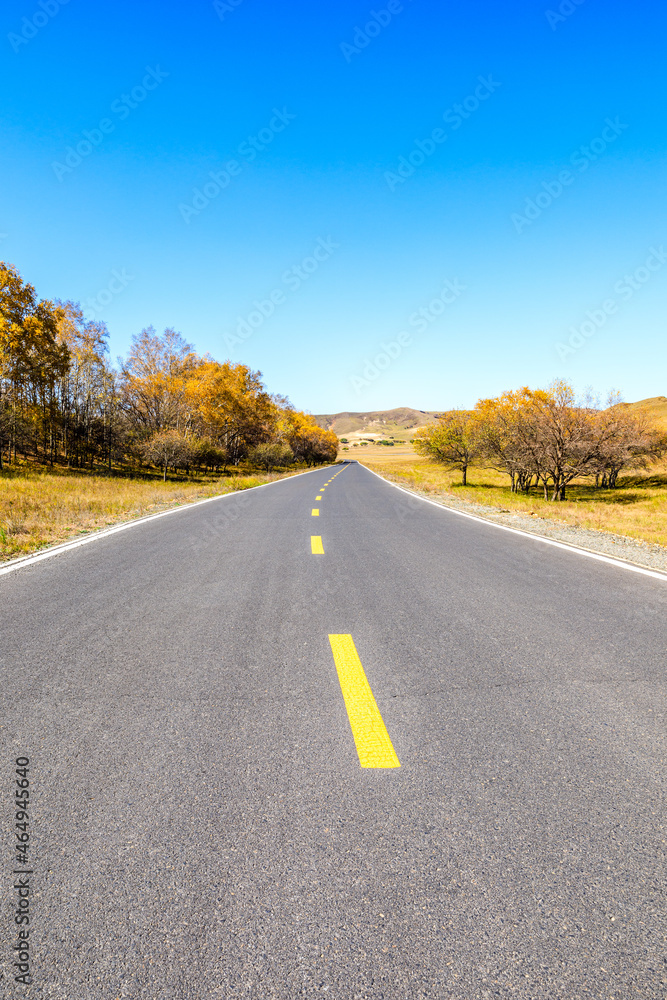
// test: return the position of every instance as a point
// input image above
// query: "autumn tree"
(230, 405)
(169, 450)
(271, 454)
(511, 435)
(453, 440)
(554, 438)
(88, 389)
(309, 442)
(154, 381)
(17, 301)
(206, 454)
(626, 441)
(545, 434)
(568, 437)
(32, 361)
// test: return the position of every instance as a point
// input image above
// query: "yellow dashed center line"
(315, 512)
(370, 734)
(316, 546)
(318, 498)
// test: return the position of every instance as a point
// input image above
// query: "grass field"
(43, 507)
(638, 510)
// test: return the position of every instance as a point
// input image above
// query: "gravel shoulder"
(631, 550)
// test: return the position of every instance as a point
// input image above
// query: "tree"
(32, 361)
(626, 441)
(567, 436)
(154, 380)
(88, 389)
(59, 395)
(309, 442)
(208, 454)
(550, 436)
(230, 405)
(268, 456)
(169, 450)
(507, 437)
(453, 441)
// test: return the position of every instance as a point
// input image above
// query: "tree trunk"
(464, 470)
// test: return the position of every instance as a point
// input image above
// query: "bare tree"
(626, 441)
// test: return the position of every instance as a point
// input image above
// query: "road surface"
(201, 824)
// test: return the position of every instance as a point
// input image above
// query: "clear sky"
(399, 204)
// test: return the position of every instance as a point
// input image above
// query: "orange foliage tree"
(60, 398)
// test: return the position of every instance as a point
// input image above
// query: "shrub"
(268, 456)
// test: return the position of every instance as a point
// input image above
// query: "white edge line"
(656, 574)
(13, 564)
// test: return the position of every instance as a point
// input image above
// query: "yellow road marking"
(318, 498)
(369, 731)
(316, 545)
(316, 512)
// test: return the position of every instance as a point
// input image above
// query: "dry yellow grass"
(399, 454)
(44, 507)
(637, 510)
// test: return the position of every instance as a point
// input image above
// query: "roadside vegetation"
(544, 440)
(84, 443)
(44, 506)
(546, 454)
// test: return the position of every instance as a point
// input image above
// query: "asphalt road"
(200, 823)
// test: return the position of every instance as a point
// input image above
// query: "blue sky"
(521, 244)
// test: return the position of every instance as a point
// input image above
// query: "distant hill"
(654, 408)
(385, 423)
(377, 423)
